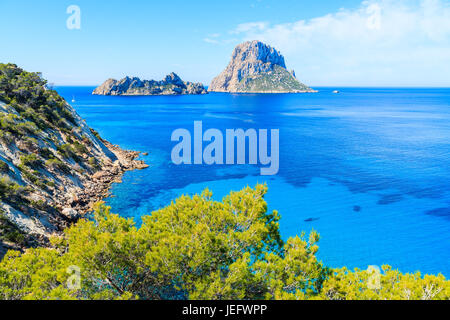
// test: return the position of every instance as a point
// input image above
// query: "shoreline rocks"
(97, 187)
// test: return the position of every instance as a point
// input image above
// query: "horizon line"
(312, 86)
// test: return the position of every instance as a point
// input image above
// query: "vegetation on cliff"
(277, 80)
(196, 248)
(47, 154)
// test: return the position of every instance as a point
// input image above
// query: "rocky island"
(53, 167)
(257, 68)
(170, 85)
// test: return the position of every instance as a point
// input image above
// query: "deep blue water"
(369, 169)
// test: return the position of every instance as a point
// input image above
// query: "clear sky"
(327, 42)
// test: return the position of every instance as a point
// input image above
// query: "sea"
(367, 168)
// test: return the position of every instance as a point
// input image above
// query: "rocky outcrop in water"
(171, 85)
(257, 68)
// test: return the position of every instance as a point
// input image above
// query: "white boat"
(336, 91)
(73, 99)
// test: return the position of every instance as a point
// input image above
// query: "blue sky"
(338, 42)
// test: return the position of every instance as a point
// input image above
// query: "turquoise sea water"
(367, 168)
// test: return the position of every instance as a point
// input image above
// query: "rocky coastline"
(53, 166)
(74, 203)
(96, 187)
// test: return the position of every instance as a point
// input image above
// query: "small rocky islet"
(170, 85)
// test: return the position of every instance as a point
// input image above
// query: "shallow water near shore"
(367, 168)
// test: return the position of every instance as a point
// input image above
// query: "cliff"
(257, 68)
(171, 85)
(53, 167)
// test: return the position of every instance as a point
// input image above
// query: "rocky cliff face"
(257, 68)
(52, 165)
(171, 85)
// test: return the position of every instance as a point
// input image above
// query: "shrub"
(80, 148)
(39, 204)
(26, 128)
(10, 232)
(8, 122)
(31, 161)
(46, 153)
(26, 92)
(196, 248)
(4, 167)
(96, 134)
(33, 176)
(58, 164)
(6, 137)
(66, 150)
(9, 190)
(16, 125)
